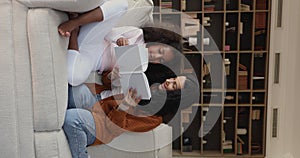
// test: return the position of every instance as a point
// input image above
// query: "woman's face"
(173, 83)
(159, 53)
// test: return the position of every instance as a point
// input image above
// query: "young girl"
(93, 48)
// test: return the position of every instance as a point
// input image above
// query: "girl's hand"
(114, 76)
(122, 41)
(131, 98)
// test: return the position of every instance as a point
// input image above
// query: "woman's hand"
(131, 98)
(122, 41)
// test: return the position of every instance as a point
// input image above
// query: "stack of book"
(166, 5)
(243, 77)
(190, 26)
(227, 146)
(245, 7)
(240, 143)
(256, 114)
(185, 115)
(206, 21)
(261, 5)
(209, 5)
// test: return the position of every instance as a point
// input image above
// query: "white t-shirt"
(97, 40)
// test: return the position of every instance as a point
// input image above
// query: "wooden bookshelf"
(232, 39)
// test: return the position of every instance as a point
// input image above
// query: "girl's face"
(159, 53)
(173, 83)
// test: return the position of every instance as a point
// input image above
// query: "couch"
(33, 94)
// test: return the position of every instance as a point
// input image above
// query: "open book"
(132, 61)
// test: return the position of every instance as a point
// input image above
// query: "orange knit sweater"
(111, 122)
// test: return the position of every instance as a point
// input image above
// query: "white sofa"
(33, 93)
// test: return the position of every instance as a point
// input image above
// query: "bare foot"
(67, 27)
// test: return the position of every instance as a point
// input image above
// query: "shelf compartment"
(192, 42)
(169, 6)
(194, 62)
(243, 98)
(245, 31)
(230, 98)
(230, 63)
(212, 71)
(211, 129)
(190, 24)
(246, 5)
(212, 98)
(232, 5)
(262, 4)
(257, 130)
(229, 125)
(231, 32)
(213, 5)
(190, 123)
(192, 5)
(259, 71)
(243, 130)
(244, 72)
(258, 98)
(213, 32)
(261, 31)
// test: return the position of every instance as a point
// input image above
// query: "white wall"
(285, 95)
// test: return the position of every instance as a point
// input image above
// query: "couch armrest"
(64, 5)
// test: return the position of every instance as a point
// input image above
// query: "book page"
(132, 58)
(137, 81)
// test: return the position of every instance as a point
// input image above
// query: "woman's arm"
(103, 12)
(73, 43)
(127, 118)
(94, 15)
(106, 80)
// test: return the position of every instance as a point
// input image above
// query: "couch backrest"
(16, 114)
(64, 5)
(48, 58)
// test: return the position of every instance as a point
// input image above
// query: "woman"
(92, 122)
(93, 48)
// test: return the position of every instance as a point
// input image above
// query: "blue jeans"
(79, 125)
(81, 97)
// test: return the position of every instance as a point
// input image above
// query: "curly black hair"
(155, 34)
(158, 73)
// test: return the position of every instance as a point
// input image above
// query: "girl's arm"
(133, 34)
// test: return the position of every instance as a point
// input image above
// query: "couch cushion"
(49, 68)
(139, 11)
(105, 151)
(16, 115)
(155, 139)
(64, 5)
(51, 144)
